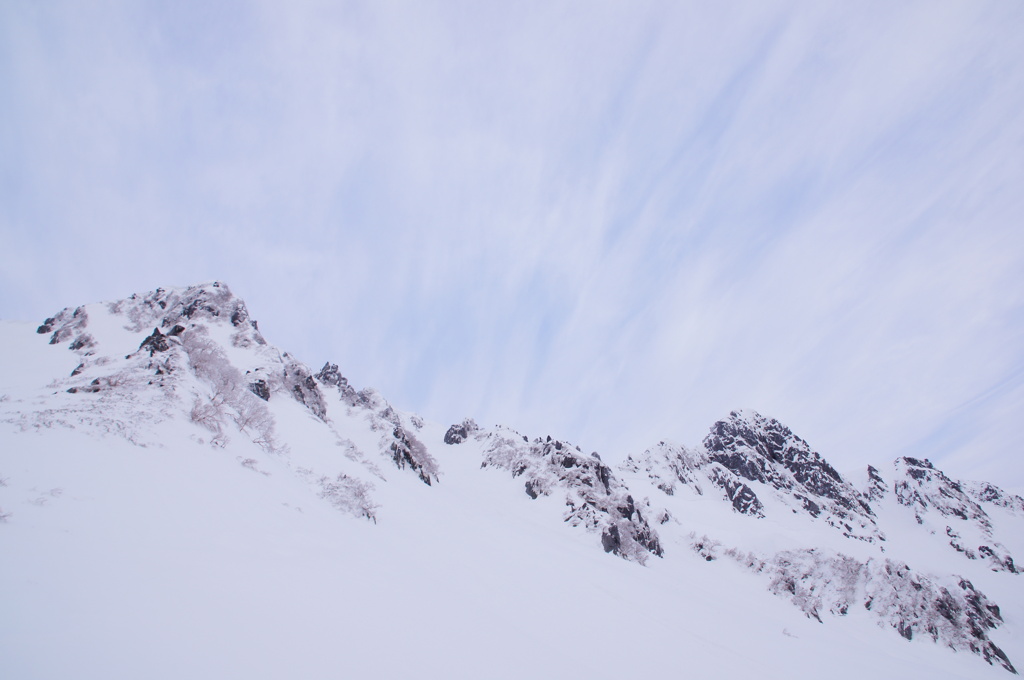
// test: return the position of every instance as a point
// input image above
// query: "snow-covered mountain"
(178, 497)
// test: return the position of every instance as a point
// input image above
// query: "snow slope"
(194, 502)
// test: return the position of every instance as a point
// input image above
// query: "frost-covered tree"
(228, 396)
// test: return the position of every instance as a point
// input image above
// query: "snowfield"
(194, 502)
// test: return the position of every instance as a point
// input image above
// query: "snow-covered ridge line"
(949, 610)
(594, 498)
(193, 359)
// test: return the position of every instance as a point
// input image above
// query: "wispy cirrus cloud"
(605, 223)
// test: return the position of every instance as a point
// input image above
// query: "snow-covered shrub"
(594, 498)
(706, 547)
(301, 384)
(404, 447)
(241, 340)
(251, 464)
(208, 414)
(251, 415)
(228, 396)
(349, 494)
(949, 611)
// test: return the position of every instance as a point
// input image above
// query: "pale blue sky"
(608, 222)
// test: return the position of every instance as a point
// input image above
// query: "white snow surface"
(170, 523)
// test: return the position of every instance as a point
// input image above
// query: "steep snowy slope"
(756, 494)
(182, 499)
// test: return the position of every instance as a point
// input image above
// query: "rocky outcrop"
(935, 498)
(876, 489)
(765, 451)
(459, 432)
(747, 457)
(954, 613)
(173, 307)
(984, 493)
(156, 342)
(742, 497)
(594, 498)
(68, 324)
(408, 451)
(667, 466)
(331, 376)
(261, 389)
(301, 385)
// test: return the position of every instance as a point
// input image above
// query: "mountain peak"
(187, 369)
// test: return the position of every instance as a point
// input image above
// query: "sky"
(608, 222)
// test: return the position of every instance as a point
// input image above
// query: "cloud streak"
(605, 224)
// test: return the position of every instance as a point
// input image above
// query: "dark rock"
(594, 498)
(406, 450)
(65, 324)
(60, 335)
(197, 305)
(752, 447)
(876, 485)
(330, 375)
(91, 388)
(610, 539)
(810, 506)
(460, 432)
(742, 497)
(920, 463)
(983, 492)
(304, 388)
(457, 434)
(83, 341)
(156, 342)
(532, 489)
(240, 315)
(628, 509)
(261, 389)
(646, 537)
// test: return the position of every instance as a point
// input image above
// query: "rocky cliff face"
(820, 540)
(594, 498)
(746, 457)
(956, 508)
(764, 450)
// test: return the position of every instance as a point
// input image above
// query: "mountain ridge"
(206, 366)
